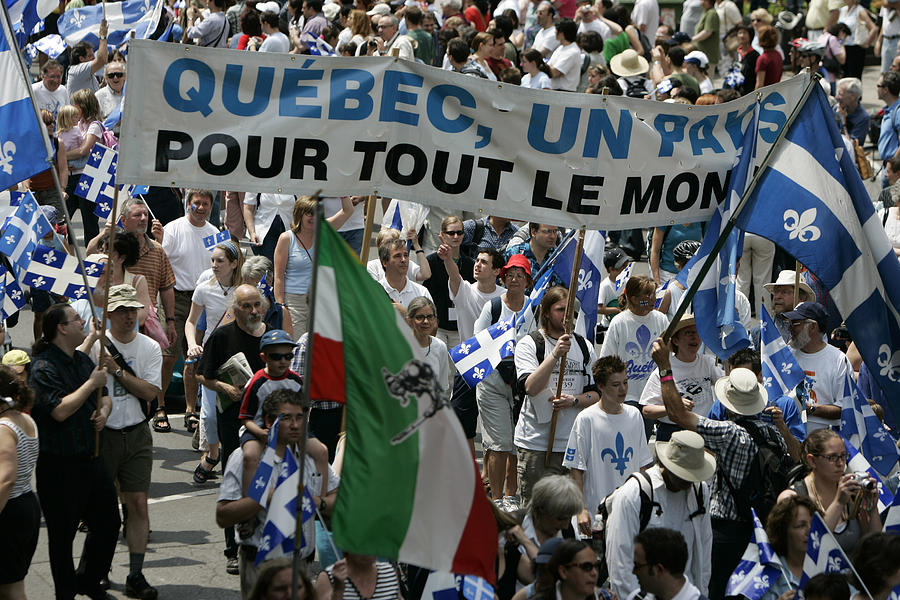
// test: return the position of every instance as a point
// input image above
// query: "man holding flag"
(248, 515)
(86, 63)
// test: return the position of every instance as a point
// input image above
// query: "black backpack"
(769, 475)
(471, 249)
(636, 87)
(540, 349)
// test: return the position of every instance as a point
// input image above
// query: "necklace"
(223, 288)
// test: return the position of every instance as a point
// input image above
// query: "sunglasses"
(115, 75)
(587, 567)
(454, 232)
(279, 356)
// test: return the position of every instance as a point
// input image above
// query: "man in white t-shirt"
(591, 22)
(133, 365)
(182, 241)
(825, 366)
(545, 40)
(565, 62)
(888, 36)
(233, 508)
(394, 259)
(607, 443)
(49, 93)
(537, 373)
(645, 16)
(275, 40)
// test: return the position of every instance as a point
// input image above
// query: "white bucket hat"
(741, 393)
(629, 64)
(685, 456)
(786, 277)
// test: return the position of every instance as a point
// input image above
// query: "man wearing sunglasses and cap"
(677, 486)
(735, 450)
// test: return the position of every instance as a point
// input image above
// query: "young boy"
(615, 262)
(277, 349)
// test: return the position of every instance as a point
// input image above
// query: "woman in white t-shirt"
(422, 318)
(695, 377)
(213, 294)
(537, 73)
(632, 332)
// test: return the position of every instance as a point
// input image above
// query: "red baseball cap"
(517, 260)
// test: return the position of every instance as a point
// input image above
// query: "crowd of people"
(571, 465)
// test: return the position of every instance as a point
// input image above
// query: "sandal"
(161, 421)
(191, 421)
(201, 474)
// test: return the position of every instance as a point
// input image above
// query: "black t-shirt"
(437, 286)
(225, 342)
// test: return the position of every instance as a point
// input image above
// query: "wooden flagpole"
(109, 273)
(796, 283)
(367, 232)
(568, 325)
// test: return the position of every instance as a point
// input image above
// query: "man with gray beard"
(240, 336)
(825, 366)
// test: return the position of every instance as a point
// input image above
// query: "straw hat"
(786, 277)
(685, 456)
(687, 319)
(741, 393)
(628, 64)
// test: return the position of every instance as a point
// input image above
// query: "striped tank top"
(387, 586)
(27, 452)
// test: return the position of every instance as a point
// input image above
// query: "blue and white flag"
(525, 319)
(865, 431)
(52, 45)
(262, 479)
(622, 279)
(211, 241)
(264, 288)
(83, 24)
(58, 272)
(23, 149)
(823, 553)
(660, 293)
(717, 321)
(588, 287)
(857, 463)
(13, 296)
(317, 46)
(97, 179)
(477, 357)
(759, 568)
(281, 514)
(830, 226)
(23, 231)
(780, 370)
(892, 518)
(29, 14)
(476, 588)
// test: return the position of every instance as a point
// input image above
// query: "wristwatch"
(119, 372)
(664, 373)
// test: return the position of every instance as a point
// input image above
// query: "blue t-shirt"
(888, 141)
(789, 411)
(675, 235)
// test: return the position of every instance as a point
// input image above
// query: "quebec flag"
(281, 515)
(780, 370)
(59, 273)
(29, 13)
(588, 287)
(211, 241)
(830, 226)
(23, 230)
(823, 553)
(864, 430)
(477, 357)
(857, 463)
(23, 152)
(759, 568)
(13, 296)
(83, 24)
(262, 479)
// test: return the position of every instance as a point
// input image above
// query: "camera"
(865, 480)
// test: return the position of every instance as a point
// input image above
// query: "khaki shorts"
(531, 468)
(182, 310)
(128, 456)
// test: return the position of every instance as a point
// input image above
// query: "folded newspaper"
(236, 371)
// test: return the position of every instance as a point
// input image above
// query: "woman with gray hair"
(259, 271)
(422, 318)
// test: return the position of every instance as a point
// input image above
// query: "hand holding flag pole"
(569, 326)
(730, 223)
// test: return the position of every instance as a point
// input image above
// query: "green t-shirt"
(687, 81)
(710, 46)
(615, 45)
(424, 50)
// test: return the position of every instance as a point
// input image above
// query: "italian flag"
(418, 500)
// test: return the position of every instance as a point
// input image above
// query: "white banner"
(263, 122)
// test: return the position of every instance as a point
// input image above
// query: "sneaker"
(137, 587)
(511, 503)
(231, 565)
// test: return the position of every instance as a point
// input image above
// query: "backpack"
(471, 250)
(540, 349)
(108, 138)
(636, 87)
(769, 475)
(506, 367)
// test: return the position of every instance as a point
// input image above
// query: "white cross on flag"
(23, 230)
(99, 175)
(58, 272)
(13, 296)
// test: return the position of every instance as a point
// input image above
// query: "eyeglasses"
(423, 318)
(834, 459)
(454, 232)
(115, 75)
(280, 356)
(587, 567)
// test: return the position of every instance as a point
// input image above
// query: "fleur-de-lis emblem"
(621, 456)
(97, 156)
(16, 294)
(814, 539)
(510, 348)
(880, 435)
(10, 239)
(104, 206)
(79, 292)
(29, 207)
(502, 326)
(83, 185)
(464, 348)
(584, 281)
(762, 326)
(77, 18)
(801, 226)
(767, 381)
(284, 471)
(7, 151)
(265, 544)
(889, 363)
(834, 563)
(761, 582)
(478, 373)
(49, 257)
(786, 366)
(91, 268)
(259, 483)
(39, 281)
(307, 507)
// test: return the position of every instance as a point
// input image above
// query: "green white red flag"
(410, 489)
